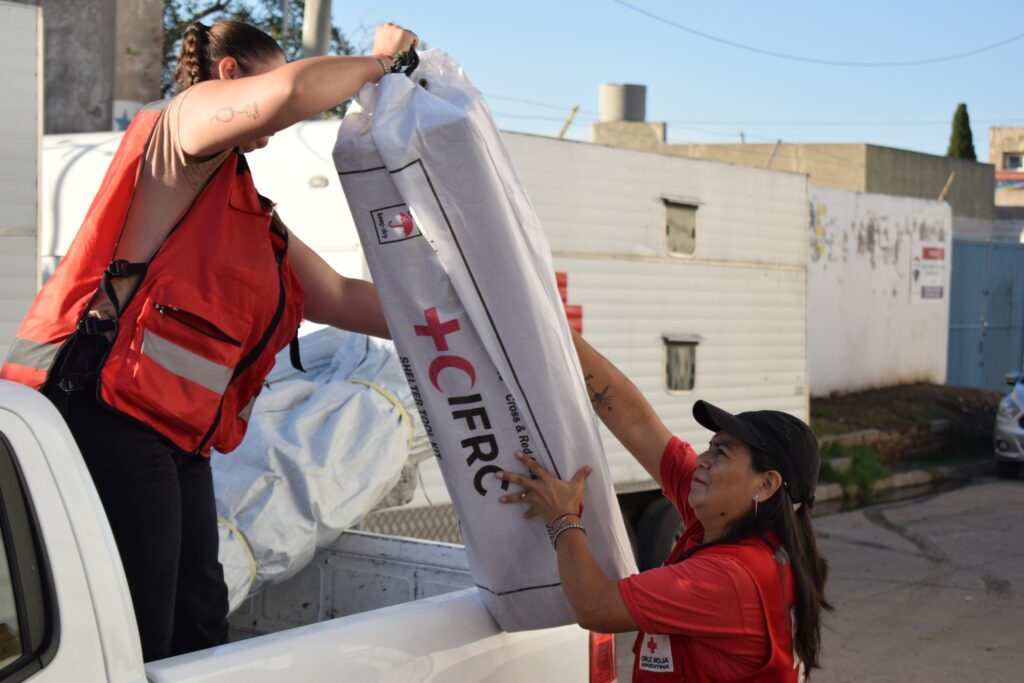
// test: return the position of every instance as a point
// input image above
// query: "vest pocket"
(182, 358)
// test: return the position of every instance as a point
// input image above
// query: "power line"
(814, 60)
(534, 117)
(836, 123)
(535, 103)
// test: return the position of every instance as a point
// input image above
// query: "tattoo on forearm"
(228, 114)
(600, 399)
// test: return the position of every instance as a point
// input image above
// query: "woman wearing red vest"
(740, 596)
(155, 333)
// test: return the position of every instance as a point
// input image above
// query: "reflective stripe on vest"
(32, 354)
(184, 363)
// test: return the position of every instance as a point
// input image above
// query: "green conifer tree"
(961, 142)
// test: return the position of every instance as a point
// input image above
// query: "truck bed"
(358, 573)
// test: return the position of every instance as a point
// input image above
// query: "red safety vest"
(774, 580)
(194, 342)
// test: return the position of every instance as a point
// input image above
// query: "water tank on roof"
(622, 102)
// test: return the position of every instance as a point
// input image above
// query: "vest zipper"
(252, 356)
(193, 321)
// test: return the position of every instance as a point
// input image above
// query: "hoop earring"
(755, 506)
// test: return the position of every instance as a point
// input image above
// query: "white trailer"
(691, 276)
(20, 140)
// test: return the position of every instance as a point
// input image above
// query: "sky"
(535, 60)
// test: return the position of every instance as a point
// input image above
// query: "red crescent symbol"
(456, 362)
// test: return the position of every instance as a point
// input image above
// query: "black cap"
(791, 446)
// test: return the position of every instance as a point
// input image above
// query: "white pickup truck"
(369, 608)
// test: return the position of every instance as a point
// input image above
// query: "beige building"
(968, 186)
(1006, 152)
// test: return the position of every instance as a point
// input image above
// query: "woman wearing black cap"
(741, 594)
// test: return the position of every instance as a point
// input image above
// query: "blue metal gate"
(986, 314)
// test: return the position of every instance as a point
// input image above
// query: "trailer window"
(680, 227)
(680, 363)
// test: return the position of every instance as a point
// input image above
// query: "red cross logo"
(651, 645)
(436, 329)
(573, 312)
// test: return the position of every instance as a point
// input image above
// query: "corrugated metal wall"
(20, 72)
(986, 323)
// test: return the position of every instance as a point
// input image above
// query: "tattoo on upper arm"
(600, 399)
(228, 114)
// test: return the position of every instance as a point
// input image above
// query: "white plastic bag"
(464, 272)
(323, 448)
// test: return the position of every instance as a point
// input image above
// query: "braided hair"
(202, 48)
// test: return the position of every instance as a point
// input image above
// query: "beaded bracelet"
(565, 527)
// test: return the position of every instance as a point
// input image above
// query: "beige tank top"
(169, 182)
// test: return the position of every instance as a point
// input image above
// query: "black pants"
(160, 504)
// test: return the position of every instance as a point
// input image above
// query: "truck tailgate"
(448, 637)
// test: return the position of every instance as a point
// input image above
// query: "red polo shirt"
(711, 600)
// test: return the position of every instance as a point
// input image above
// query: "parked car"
(1009, 431)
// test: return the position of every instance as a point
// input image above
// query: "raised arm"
(623, 409)
(333, 299)
(236, 108)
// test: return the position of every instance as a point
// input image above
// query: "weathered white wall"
(864, 330)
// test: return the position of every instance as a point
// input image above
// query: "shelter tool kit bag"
(464, 273)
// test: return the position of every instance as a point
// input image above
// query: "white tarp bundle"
(464, 272)
(322, 449)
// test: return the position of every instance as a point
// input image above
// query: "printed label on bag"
(394, 224)
(656, 654)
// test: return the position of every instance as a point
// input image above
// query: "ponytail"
(202, 48)
(192, 60)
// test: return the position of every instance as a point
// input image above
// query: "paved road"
(930, 589)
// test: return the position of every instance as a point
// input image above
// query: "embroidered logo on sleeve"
(656, 654)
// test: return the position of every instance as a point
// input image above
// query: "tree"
(265, 14)
(961, 142)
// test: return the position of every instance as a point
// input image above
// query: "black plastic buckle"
(405, 63)
(91, 325)
(73, 383)
(123, 268)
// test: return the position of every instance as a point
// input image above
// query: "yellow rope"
(245, 546)
(394, 401)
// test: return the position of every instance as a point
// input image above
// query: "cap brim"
(716, 420)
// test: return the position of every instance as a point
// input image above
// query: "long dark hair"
(810, 570)
(203, 46)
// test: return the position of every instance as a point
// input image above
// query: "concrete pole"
(80, 36)
(316, 28)
(138, 51)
